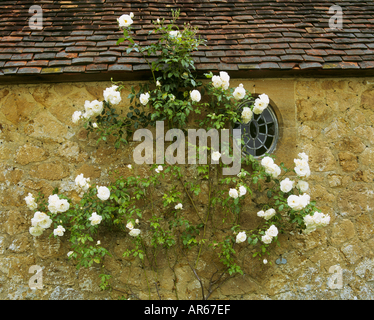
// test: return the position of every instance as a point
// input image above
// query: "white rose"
(293, 201)
(265, 261)
(225, 85)
(242, 191)
(178, 206)
(159, 168)
(30, 202)
(131, 15)
(260, 104)
(112, 95)
(241, 236)
(195, 95)
(303, 186)
(45, 223)
(129, 166)
(76, 116)
(239, 92)
(98, 242)
(302, 171)
(174, 34)
(97, 107)
(261, 214)
(216, 155)
(103, 193)
(272, 231)
(273, 170)
(267, 161)
(53, 202)
(95, 218)
(304, 200)
(125, 21)
(129, 225)
(144, 97)
(59, 231)
(268, 214)
(303, 156)
(224, 76)
(263, 97)
(266, 239)
(286, 185)
(134, 232)
(70, 253)
(247, 114)
(36, 231)
(62, 205)
(216, 81)
(95, 125)
(233, 193)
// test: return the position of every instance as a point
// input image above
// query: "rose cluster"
(269, 234)
(268, 214)
(221, 81)
(133, 231)
(82, 183)
(233, 193)
(39, 223)
(95, 108)
(317, 220)
(270, 167)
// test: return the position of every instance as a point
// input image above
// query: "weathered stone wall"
(329, 119)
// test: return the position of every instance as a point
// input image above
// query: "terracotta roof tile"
(80, 36)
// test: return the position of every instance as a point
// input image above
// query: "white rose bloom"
(225, 85)
(70, 253)
(303, 186)
(178, 206)
(82, 182)
(95, 218)
(272, 231)
(266, 239)
(241, 237)
(304, 200)
(125, 21)
(131, 15)
(233, 193)
(130, 225)
(95, 125)
(247, 114)
(45, 223)
(216, 81)
(174, 34)
(158, 84)
(59, 231)
(53, 203)
(129, 166)
(103, 193)
(195, 95)
(224, 76)
(273, 170)
(76, 116)
(265, 261)
(134, 232)
(260, 104)
(286, 185)
(302, 171)
(111, 95)
(144, 97)
(98, 242)
(216, 155)
(38, 217)
(159, 168)
(261, 214)
(239, 92)
(301, 163)
(242, 191)
(268, 214)
(36, 231)
(267, 161)
(137, 221)
(30, 202)
(293, 201)
(93, 108)
(62, 205)
(303, 156)
(97, 107)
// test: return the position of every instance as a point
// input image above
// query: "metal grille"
(260, 135)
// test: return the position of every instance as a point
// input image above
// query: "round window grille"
(260, 135)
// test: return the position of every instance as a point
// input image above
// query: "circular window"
(260, 134)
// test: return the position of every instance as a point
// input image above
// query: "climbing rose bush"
(173, 95)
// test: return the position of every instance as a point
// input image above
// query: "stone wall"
(329, 119)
